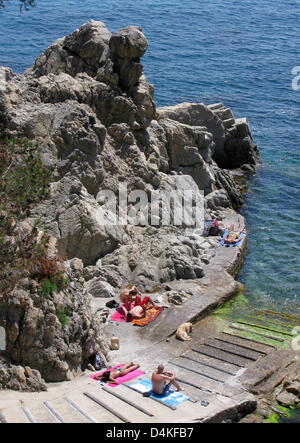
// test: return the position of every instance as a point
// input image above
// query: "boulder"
(99, 288)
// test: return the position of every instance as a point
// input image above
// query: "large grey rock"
(100, 288)
(129, 42)
(89, 106)
(241, 152)
(218, 199)
(197, 114)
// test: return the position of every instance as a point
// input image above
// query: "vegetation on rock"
(24, 181)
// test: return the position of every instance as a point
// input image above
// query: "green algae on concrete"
(284, 415)
(236, 304)
(237, 316)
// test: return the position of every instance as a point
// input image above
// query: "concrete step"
(284, 319)
(199, 381)
(60, 408)
(22, 413)
(211, 373)
(128, 412)
(269, 323)
(234, 349)
(240, 362)
(95, 411)
(245, 343)
(37, 413)
(255, 334)
(263, 327)
(145, 402)
(227, 368)
(14, 414)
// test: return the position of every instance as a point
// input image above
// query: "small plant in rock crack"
(64, 315)
(50, 273)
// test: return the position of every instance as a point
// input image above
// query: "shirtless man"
(162, 380)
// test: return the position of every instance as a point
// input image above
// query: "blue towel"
(223, 243)
(169, 397)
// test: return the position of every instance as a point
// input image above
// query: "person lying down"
(110, 376)
(234, 237)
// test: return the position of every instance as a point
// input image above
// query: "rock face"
(20, 378)
(88, 104)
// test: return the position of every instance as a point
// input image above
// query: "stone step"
(28, 413)
(196, 395)
(228, 123)
(112, 406)
(285, 319)
(211, 373)
(234, 349)
(222, 355)
(145, 402)
(265, 327)
(114, 392)
(129, 412)
(99, 414)
(245, 343)
(215, 106)
(251, 332)
(81, 411)
(227, 368)
(224, 114)
(263, 321)
(60, 408)
(203, 383)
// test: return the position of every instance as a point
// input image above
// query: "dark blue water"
(238, 52)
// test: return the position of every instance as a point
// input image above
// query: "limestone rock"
(287, 399)
(99, 288)
(88, 105)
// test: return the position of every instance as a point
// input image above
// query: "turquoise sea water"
(238, 52)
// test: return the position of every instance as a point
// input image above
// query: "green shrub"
(47, 288)
(63, 316)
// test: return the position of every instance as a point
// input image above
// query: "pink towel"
(118, 316)
(123, 379)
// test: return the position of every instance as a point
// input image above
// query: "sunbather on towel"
(234, 237)
(133, 304)
(109, 376)
(162, 380)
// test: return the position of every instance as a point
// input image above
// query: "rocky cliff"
(88, 105)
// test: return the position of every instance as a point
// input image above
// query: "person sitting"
(234, 237)
(162, 380)
(110, 376)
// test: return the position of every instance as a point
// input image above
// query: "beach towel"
(130, 376)
(170, 398)
(223, 243)
(151, 314)
(118, 315)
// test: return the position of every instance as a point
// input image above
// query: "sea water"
(239, 52)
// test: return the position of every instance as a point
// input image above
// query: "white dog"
(183, 332)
